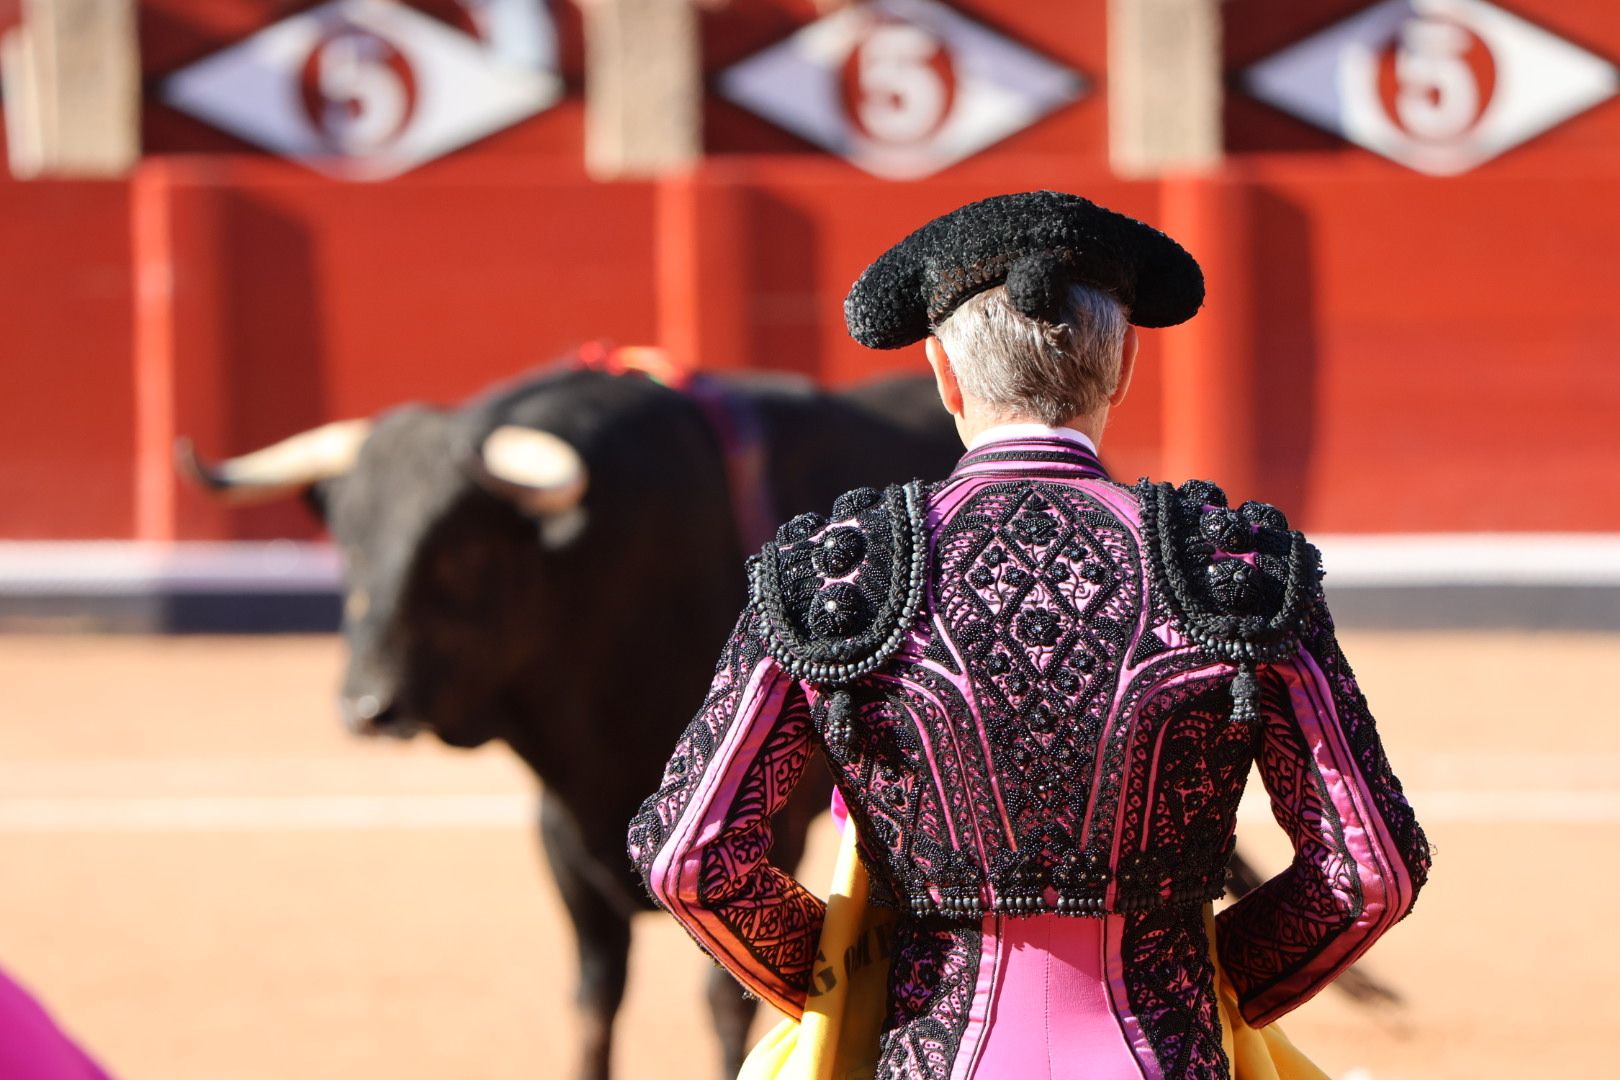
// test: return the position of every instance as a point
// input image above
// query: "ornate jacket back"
(1041, 693)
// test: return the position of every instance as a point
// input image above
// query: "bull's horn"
(280, 469)
(535, 469)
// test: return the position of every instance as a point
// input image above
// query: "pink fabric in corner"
(839, 811)
(1050, 1018)
(32, 1047)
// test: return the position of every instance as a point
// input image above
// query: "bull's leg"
(733, 1014)
(1241, 878)
(601, 934)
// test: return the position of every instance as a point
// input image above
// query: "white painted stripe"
(388, 769)
(289, 813)
(1468, 770)
(423, 769)
(1471, 559)
(1487, 807)
(118, 567)
(301, 813)
(134, 568)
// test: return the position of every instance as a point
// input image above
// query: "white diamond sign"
(1440, 86)
(900, 88)
(368, 89)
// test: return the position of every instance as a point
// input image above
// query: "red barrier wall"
(1411, 353)
(298, 300)
(1426, 354)
(1446, 347)
(66, 422)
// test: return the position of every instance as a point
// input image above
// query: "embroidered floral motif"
(1170, 980)
(1043, 637)
(931, 983)
(1187, 806)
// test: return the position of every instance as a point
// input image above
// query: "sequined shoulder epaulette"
(1240, 582)
(836, 594)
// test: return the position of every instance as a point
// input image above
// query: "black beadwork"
(1247, 613)
(832, 633)
(1035, 242)
(840, 552)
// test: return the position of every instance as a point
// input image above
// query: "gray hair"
(1025, 367)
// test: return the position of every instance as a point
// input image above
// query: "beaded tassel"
(1245, 693)
(839, 728)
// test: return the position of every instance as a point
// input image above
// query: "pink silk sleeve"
(701, 841)
(1359, 855)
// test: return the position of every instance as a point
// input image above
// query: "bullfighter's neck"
(1010, 432)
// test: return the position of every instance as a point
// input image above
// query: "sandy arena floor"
(207, 880)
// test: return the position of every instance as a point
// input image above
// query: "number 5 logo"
(358, 91)
(1442, 75)
(367, 89)
(1438, 85)
(900, 88)
(899, 83)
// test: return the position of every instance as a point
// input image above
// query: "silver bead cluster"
(1084, 907)
(1080, 905)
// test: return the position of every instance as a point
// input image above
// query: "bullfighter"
(1040, 693)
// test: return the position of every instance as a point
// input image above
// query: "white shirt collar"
(1003, 432)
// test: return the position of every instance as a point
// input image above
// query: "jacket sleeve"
(701, 840)
(1360, 856)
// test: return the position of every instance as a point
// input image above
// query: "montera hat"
(1035, 243)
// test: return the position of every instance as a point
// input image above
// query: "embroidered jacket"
(1040, 693)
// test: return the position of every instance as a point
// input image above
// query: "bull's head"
(441, 562)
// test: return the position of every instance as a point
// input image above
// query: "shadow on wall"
(786, 309)
(1285, 321)
(270, 337)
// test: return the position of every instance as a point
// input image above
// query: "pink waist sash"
(1043, 1010)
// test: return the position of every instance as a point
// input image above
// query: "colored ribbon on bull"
(730, 415)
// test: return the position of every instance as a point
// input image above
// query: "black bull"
(576, 619)
(583, 635)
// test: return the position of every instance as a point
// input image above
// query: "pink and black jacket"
(1040, 693)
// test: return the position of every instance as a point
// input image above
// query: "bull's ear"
(540, 474)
